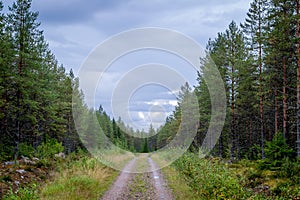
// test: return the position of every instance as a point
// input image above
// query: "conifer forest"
(257, 155)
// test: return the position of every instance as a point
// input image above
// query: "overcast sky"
(75, 27)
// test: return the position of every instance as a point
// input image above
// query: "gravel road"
(142, 186)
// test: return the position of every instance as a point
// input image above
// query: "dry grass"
(116, 159)
(83, 179)
(141, 165)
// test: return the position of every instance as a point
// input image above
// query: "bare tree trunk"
(261, 96)
(284, 92)
(276, 110)
(232, 149)
(251, 132)
(298, 78)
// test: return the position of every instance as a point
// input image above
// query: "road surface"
(142, 186)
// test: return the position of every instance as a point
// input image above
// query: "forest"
(259, 62)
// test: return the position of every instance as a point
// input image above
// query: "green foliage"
(6, 152)
(254, 177)
(79, 177)
(286, 190)
(6, 178)
(26, 150)
(277, 153)
(49, 148)
(145, 146)
(43, 163)
(27, 193)
(278, 149)
(210, 180)
(290, 169)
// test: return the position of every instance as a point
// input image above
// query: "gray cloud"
(74, 27)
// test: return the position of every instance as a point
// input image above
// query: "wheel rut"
(141, 186)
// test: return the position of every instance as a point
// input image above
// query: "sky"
(73, 28)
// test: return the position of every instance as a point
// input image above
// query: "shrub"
(278, 149)
(49, 148)
(210, 180)
(254, 177)
(6, 152)
(26, 150)
(290, 170)
(276, 152)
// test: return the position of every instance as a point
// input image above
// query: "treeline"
(37, 95)
(259, 62)
(35, 91)
(125, 136)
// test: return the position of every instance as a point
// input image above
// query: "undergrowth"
(210, 180)
(215, 179)
(84, 178)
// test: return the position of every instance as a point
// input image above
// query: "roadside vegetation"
(276, 177)
(76, 176)
(79, 178)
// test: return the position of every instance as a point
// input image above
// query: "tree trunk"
(261, 96)
(221, 146)
(232, 149)
(284, 93)
(276, 110)
(298, 78)
(251, 132)
(19, 93)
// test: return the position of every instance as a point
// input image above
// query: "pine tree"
(235, 56)
(254, 28)
(152, 139)
(218, 53)
(29, 47)
(6, 83)
(204, 102)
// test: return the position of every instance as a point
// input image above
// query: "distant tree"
(152, 139)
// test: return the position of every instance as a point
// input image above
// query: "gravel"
(141, 186)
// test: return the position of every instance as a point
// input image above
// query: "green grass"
(176, 183)
(26, 193)
(138, 185)
(85, 178)
(210, 179)
(191, 177)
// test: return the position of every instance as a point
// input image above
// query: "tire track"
(160, 186)
(139, 186)
(119, 187)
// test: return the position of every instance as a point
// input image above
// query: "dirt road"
(142, 186)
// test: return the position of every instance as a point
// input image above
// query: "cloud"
(74, 27)
(87, 23)
(71, 11)
(162, 102)
(141, 115)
